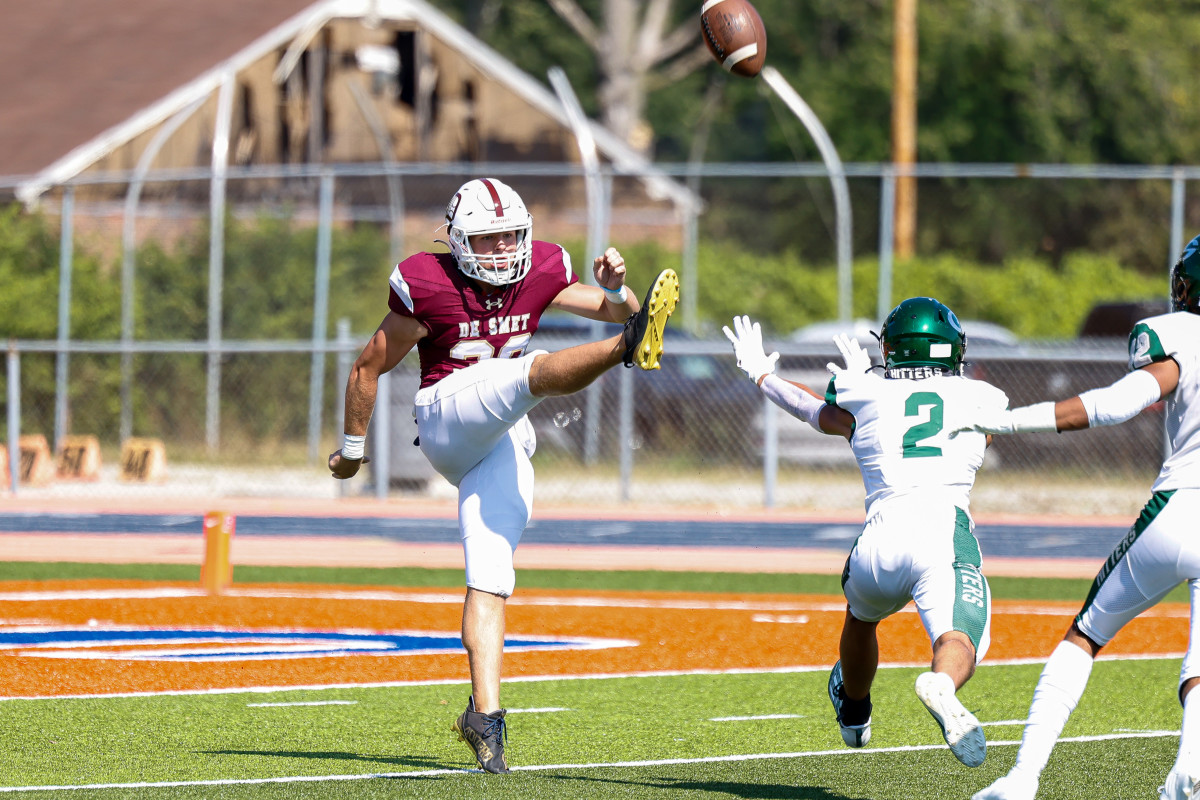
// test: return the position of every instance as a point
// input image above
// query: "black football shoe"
(485, 734)
(853, 716)
(643, 336)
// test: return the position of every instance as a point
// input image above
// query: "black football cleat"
(853, 716)
(485, 734)
(643, 335)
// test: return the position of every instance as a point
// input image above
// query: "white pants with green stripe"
(911, 549)
(1160, 551)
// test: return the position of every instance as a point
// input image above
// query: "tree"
(638, 46)
(1007, 81)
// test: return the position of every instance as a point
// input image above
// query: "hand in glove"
(857, 360)
(748, 347)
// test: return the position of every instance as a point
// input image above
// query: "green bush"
(1032, 298)
(269, 290)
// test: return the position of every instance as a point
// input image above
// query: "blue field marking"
(995, 540)
(139, 643)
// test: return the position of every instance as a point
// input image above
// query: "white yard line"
(544, 679)
(313, 703)
(845, 753)
(455, 598)
(756, 717)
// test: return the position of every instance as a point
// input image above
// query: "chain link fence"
(252, 405)
(697, 433)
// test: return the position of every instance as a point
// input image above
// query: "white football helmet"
(485, 205)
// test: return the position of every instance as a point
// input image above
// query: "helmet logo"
(496, 204)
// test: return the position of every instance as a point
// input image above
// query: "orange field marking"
(673, 631)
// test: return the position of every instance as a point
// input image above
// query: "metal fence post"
(216, 259)
(770, 452)
(382, 440)
(1178, 200)
(626, 433)
(343, 375)
(316, 389)
(887, 219)
(14, 415)
(66, 258)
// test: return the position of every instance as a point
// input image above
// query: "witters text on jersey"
(916, 373)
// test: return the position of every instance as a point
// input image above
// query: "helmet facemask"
(922, 338)
(482, 206)
(1185, 279)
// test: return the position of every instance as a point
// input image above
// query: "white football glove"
(857, 360)
(748, 347)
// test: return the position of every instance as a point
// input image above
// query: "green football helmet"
(921, 338)
(1185, 279)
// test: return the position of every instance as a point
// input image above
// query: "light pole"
(837, 176)
(904, 123)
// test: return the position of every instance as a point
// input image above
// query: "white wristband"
(353, 447)
(1037, 418)
(618, 296)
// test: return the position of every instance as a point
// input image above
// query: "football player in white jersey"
(918, 541)
(1159, 552)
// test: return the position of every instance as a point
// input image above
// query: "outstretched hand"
(343, 468)
(857, 360)
(748, 348)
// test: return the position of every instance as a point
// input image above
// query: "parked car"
(699, 398)
(1116, 319)
(979, 333)
(983, 338)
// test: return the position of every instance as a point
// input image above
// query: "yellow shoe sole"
(661, 299)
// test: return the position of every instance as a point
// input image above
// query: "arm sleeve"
(1121, 401)
(792, 399)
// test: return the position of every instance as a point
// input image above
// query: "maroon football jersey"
(465, 325)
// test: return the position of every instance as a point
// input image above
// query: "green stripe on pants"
(972, 598)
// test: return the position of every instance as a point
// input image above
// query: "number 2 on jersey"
(923, 430)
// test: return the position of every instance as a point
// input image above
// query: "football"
(735, 35)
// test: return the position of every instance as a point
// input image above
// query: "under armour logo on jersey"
(499, 303)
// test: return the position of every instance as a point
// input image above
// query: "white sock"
(1189, 736)
(1063, 680)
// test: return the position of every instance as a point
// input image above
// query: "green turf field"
(661, 737)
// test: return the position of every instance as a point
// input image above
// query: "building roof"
(90, 75)
(80, 68)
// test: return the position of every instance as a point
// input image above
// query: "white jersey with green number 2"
(1175, 336)
(902, 434)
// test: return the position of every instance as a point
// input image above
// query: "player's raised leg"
(641, 342)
